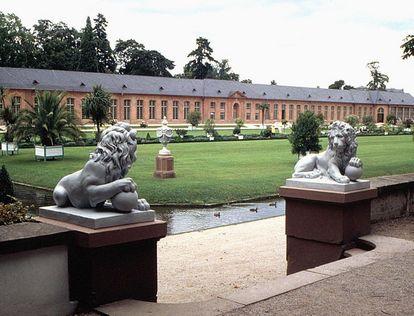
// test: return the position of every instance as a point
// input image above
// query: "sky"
(305, 43)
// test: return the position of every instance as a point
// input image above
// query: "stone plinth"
(113, 263)
(164, 167)
(327, 184)
(321, 224)
(95, 218)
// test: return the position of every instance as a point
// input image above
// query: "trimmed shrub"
(6, 186)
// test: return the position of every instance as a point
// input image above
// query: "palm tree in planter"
(50, 121)
(9, 118)
(97, 105)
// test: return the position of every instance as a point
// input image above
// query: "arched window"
(380, 115)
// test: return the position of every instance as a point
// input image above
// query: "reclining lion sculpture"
(338, 161)
(103, 176)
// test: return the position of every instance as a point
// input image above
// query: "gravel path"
(199, 265)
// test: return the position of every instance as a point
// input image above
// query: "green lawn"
(215, 172)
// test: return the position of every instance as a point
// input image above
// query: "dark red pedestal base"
(111, 264)
(320, 225)
(164, 167)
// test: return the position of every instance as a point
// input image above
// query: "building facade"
(137, 99)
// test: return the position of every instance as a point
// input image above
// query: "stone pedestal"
(164, 167)
(113, 263)
(321, 224)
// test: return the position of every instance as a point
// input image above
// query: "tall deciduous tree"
(378, 79)
(98, 104)
(201, 64)
(305, 134)
(88, 60)
(124, 50)
(338, 84)
(222, 71)
(16, 42)
(105, 55)
(408, 47)
(57, 45)
(148, 63)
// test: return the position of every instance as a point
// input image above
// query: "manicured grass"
(215, 171)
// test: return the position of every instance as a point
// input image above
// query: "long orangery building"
(141, 98)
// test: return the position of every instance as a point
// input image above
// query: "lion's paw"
(143, 205)
(343, 179)
(355, 162)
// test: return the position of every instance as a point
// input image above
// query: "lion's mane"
(350, 142)
(115, 149)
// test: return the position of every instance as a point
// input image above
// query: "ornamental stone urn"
(164, 162)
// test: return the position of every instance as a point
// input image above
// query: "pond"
(180, 220)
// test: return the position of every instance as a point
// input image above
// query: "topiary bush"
(6, 186)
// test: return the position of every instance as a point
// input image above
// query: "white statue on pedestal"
(164, 134)
(338, 162)
(103, 176)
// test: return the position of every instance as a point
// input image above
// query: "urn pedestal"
(164, 167)
(322, 224)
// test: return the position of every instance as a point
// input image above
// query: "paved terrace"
(378, 282)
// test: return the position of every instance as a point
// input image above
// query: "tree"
(239, 123)
(391, 119)
(7, 115)
(247, 81)
(263, 107)
(194, 118)
(378, 79)
(17, 45)
(348, 87)
(273, 83)
(305, 134)
(222, 71)
(105, 55)
(352, 120)
(10, 120)
(57, 46)
(368, 121)
(337, 85)
(6, 186)
(210, 127)
(49, 120)
(200, 66)
(97, 105)
(408, 47)
(124, 51)
(88, 60)
(148, 63)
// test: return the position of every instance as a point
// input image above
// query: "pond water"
(180, 220)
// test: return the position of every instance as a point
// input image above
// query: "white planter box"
(49, 152)
(9, 148)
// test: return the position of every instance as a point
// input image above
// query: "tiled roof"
(42, 79)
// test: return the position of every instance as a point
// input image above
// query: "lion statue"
(103, 176)
(338, 162)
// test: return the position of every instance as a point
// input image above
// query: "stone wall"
(395, 197)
